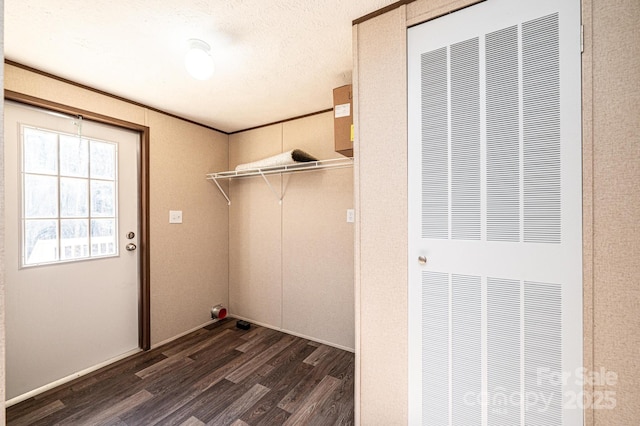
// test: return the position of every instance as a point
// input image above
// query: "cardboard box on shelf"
(343, 120)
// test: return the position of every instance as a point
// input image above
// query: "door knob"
(422, 260)
(131, 247)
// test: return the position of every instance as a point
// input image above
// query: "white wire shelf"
(333, 163)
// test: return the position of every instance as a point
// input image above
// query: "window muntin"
(69, 194)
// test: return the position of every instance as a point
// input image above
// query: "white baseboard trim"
(171, 339)
(68, 378)
(86, 371)
(293, 333)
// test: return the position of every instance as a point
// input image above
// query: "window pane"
(74, 156)
(40, 196)
(69, 197)
(103, 160)
(102, 199)
(40, 151)
(40, 241)
(103, 237)
(74, 239)
(74, 199)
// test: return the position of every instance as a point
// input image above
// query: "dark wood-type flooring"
(217, 375)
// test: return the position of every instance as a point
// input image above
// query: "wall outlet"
(351, 215)
(175, 216)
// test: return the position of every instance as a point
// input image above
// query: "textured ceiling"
(274, 59)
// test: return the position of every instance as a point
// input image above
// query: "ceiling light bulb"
(198, 61)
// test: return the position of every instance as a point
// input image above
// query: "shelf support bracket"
(278, 197)
(222, 191)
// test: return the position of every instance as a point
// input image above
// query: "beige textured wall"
(189, 262)
(255, 232)
(612, 119)
(291, 265)
(381, 263)
(317, 241)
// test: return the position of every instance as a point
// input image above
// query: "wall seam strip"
(281, 233)
(588, 168)
(357, 240)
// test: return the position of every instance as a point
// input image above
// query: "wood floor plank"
(182, 356)
(257, 336)
(222, 346)
(172, 393)
(187, 341)
(288, 362)
(228, 322)
(239, 406)
(211, 399)
(95, 398)
(294, 398)
(238, 359)
(115, 422)
(74, 386)
(38, 414)
(277, 379)
(250, 366)
(306, 410)
(211, 378)
(204, 341)
(257, 377)
(103, 417)
(342, 365)
(214, 400)
(290, 369)
(82, 391)
(318, 355)
(163, 366)
(192, 421)
(275, 416)
(254, 331)
(338, 409)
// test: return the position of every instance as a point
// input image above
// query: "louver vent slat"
(435, 149)
(503, 351)
(466, 349)
(465, 140)
(503, 136)
(541, 129)
(543, 353)
(435, 354)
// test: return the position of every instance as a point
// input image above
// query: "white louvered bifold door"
(495, 209)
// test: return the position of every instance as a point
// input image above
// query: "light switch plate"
(351, 215)
(175, 216)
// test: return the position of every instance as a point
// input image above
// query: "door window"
(69, 197)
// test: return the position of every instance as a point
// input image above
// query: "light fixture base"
(198, 61)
